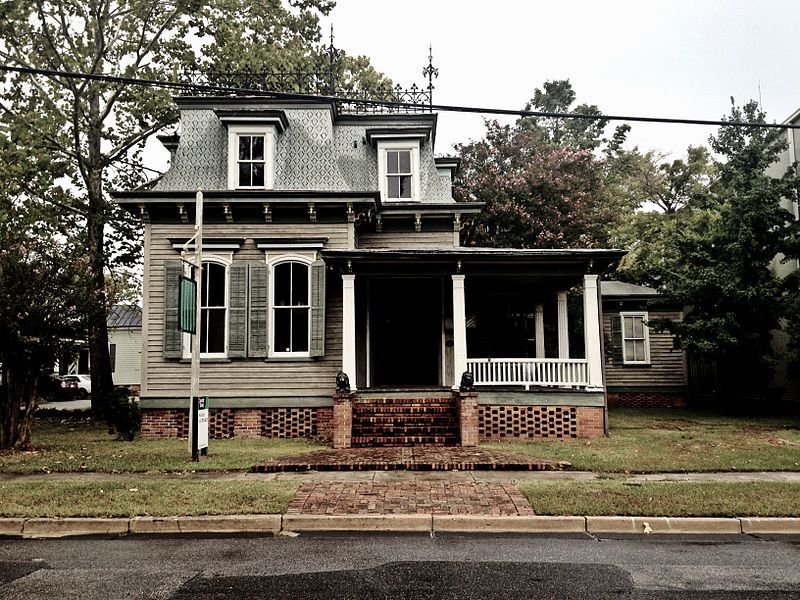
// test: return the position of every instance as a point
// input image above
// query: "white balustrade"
(551, 372)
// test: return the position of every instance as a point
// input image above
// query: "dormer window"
(398, 170)
(252, 136)
(251, 157)
(251, 164)
(398, 174)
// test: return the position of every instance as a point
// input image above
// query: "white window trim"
(383, 148)
(644, 316)
(273, 260)
(269, 133)
(224, 259)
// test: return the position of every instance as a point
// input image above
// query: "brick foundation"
(242, 422)
(509, 421)
(653, 399)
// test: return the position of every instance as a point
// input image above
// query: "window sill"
(206, 360)
(639, 365)
(289, 359)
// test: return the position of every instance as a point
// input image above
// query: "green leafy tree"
(98, 128)
(41, 286)
(576, 133)
(721, 264)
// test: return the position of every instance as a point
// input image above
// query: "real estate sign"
(202, 422)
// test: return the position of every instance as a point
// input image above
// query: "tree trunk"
(20, 382)
(100, 361)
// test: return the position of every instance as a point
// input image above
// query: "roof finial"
(430, 72)
(331, 44)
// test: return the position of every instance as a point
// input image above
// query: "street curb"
(696, 525)
(287, 524)
(410, 522)
(511, 524)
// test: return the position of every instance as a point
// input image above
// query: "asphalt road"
(417, 567)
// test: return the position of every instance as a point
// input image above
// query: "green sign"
(187, 307)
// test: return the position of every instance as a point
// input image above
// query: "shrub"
(122, 414)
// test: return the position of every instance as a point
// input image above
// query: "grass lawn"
(668, 499)
(85, 447)
(142, 497)
(652, 441)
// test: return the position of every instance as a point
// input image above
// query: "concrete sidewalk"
(433, 476)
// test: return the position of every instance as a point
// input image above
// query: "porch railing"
(552, 372)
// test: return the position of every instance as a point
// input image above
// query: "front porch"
(515, 334)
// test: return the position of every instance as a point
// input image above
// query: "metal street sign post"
(190, 289)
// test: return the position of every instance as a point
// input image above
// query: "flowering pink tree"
(537, 194)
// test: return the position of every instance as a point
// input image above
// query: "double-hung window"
(213, 309)
(398, 174)
(251, 157)
(398, 170)
(635, 338)
(291, 309)
(251, 161)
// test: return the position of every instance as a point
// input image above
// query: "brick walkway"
(439, 498)
(412, 458)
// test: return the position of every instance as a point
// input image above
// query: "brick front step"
(427, 420)
(405, 440)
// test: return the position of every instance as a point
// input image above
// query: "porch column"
(592, 332)
(349, 328)
(459, 330)
(563, 327)
(539, 330)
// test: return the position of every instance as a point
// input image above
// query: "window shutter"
(172, 335)
(317, 347)
(258, 314)
(616, 339)
(237, 309)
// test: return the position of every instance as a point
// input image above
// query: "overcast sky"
(674, 58)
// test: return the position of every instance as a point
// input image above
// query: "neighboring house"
(790, 156)
(331, 244)
(124, 347)
(643, 368)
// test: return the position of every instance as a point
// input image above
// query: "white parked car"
(84, 383)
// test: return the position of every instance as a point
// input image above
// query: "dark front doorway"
(405, 332)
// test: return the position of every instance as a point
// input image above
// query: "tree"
(99, 128)
(721, 264)
(576, 133)
(41, 311)
(536, 195)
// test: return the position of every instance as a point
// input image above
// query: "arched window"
(213, 308)
(290, 307)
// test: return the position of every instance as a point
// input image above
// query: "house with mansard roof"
(331, 245)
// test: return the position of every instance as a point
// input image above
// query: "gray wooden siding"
(406, 240)
(249, 377)
(666, 364)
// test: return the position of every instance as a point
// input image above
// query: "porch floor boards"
(415, 458)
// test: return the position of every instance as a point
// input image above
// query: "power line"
(195, 87)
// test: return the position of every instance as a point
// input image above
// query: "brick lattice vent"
(420, 421)
(289, 422)
(220, 424)
(527, 422)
